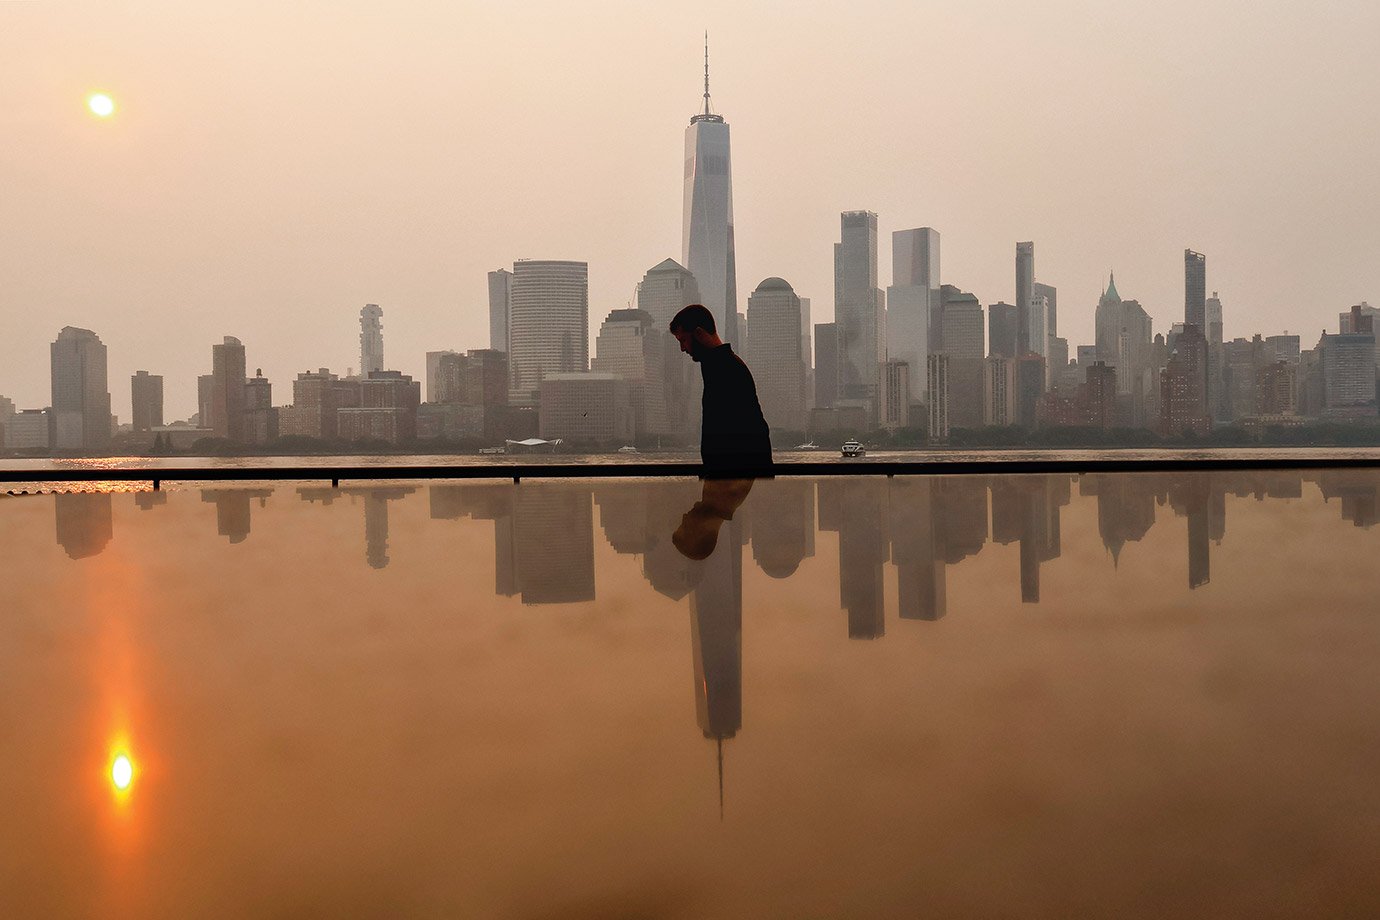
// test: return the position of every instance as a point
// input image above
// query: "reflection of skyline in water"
(763, 678)
(544, 531)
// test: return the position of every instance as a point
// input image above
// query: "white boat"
(854, 449)
(807, 446)
(628, 449)
(493, 450)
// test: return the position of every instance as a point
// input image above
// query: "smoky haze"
(273, 167)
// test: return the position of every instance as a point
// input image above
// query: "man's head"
(694, 328)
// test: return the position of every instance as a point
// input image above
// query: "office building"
(666, 288)
(630, 346)
(826, 365)
(1001, 330)
(548, 327)
(778, 367)
(500, 305)
(260, 417)
(370, 339)
(146, 398)
(28, 429)
(912, 301)
(79, 418)
(999, 391)
(227, 389)
(895, 394)
(859, 308)
(586, 406)
(937, 369)
(1025, 289)
(707, 218)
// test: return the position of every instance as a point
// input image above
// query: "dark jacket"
(733, 434)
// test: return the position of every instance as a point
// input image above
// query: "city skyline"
(104, 234)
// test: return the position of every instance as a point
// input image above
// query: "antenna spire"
(706, 72)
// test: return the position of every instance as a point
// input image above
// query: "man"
(733, 434)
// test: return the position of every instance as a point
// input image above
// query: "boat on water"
(628, 449)
(811, 445)
(493, 450)
(853, 449)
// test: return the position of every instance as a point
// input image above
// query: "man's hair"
(695, 316)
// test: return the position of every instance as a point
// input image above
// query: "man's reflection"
(84, 522)
(716, 608)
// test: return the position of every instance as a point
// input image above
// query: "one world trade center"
(707, 231)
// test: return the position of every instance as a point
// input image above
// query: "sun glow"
(101, 105)
(122, 772)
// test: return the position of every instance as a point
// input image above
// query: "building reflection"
(1191, 496)
(376, 501)
(233, 510)
(85, 522)
(1125, 508)
(783, 525)
(859, 508)
(1358, 492)
(916, 537)
(638, 518)
(147, 501)
(712, 532)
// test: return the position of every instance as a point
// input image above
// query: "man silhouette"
(733, 434)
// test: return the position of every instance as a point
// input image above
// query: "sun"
(101, 105)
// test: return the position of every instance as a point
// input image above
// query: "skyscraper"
(1195, 290)
(826, 365)
(632, 347)
(80, 417)
(1001, 330)
(1051, 295)
(777, 364)
(665, 289)
(548, 328)
(911, 299)
(1025, 289)
(370, 339)
(707, 227)
(859, 310)
(146, 397)
(500, 305)
(227, 389)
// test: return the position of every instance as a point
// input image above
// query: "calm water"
(1013, 696)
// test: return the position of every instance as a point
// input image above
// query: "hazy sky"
(272, 167)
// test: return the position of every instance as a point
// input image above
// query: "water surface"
(1037, 696)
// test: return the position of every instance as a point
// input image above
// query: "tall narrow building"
(665, 289)
(1025, 289)
(80, 416)
(500, 305)
(1195, 290)
(859, 309)
(548, 329)
(707, 227)
(227, 389)
(146, 398)
(370, 339)
(911, 300)
(776, 360)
